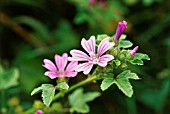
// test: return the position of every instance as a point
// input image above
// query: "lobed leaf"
(141, 56)
(128, 75)
(78, 100)
(106, 83)
(136, 62)
(48, 92)
(9, 78)
(125, 86)
(122, 81)
(36, 90)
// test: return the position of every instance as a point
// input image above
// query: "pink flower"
(133, 52)
(59, 69)
(39, 112)
(92, 58)
(120, 29)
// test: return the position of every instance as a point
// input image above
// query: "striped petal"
(85, 67)
(70, 70)
(70, 74)
(49, 65)
(78, 55)
(103, 60)
(104, 46)
(89, 45)
(61, 61)
(51, 74)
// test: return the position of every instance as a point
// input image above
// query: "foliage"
(78, 100)
(31, 30)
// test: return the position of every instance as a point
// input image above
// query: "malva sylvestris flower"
(134, 50)
(120, 29)
(92, 58)
(59, 69)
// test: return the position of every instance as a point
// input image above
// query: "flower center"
(93, 58)
(61, 74)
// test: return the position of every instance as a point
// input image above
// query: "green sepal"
(62, 86)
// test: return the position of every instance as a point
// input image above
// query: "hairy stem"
(61, 93)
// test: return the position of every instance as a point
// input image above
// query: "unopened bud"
(133, 52)
(120, 29)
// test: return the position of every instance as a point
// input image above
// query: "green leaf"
(78, 100)
(125, 44)
(106, 83)
(48, 92)
(136, 62)
(90, 96)
(63, 85)
(9, 78)
(122, 81)
(36, 90)
(127, 75)
(123, 36)
(141, 56)
(125, 86)
(101, 37)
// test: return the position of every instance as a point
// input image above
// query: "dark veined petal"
(89, 45)
(104, 46)
(85, 67)
(103, 60)
(78, 55)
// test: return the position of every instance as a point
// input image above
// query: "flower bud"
(120, 29)
(133, 52)
(39, 112)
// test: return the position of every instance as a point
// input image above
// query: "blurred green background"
(31, 30)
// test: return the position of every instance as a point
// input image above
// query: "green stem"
(61, 93)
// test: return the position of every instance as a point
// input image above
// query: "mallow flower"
(134, 50)
(120, 29)
(92, 58)
(59, 69)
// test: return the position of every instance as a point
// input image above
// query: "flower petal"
(89, 45)
(104, 46)
(49, 65)
(61, 61)
(51, 74)
(104, 59)
(71, 66)
(85, 67)
(78, 55)
(70, 74)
